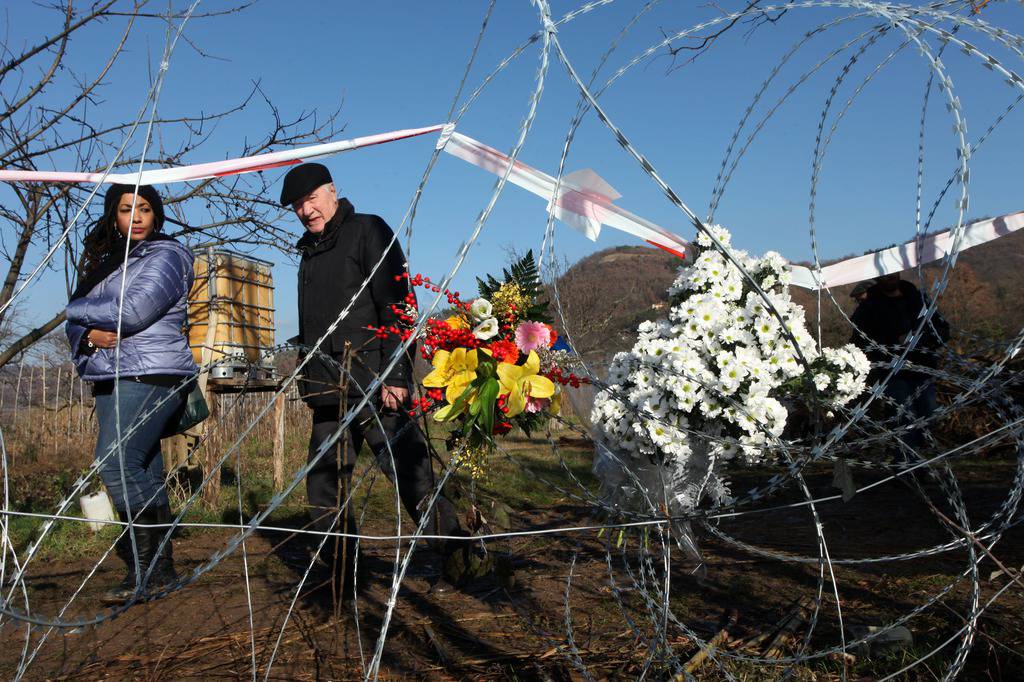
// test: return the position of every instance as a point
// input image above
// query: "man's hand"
(102, 339)
(393, 397)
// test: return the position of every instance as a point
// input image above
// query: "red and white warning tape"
(582, 200)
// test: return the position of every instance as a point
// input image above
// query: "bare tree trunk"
(17, 261)
(28, 339)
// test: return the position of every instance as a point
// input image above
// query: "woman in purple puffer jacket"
(138, 376)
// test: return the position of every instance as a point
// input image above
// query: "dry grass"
(522, 491)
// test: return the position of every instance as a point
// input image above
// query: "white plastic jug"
(96, 508)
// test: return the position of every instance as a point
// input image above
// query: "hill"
(608, 293)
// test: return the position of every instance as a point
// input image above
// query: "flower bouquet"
(493, 366)
(710, 383)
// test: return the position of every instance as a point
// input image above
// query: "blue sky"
(392, 65)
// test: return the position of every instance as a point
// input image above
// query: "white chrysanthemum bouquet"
(712, 383)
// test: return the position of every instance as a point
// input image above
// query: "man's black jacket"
(888, 320)
(334, 265)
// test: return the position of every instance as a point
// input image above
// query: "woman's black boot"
(163, 575)
(124, 591)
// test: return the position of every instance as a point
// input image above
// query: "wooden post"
(175, 451)
(81, 404)
(43, 403)
(71, 400)
(344, 512)
(31, 387)
(17, 389)
(211, 493)
(280, 405)
(56, 407)
(715, 642)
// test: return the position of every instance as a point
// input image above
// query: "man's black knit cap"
(302, 180)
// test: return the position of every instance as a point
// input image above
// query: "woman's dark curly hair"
(104, 239)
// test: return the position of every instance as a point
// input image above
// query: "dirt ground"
(516, 629)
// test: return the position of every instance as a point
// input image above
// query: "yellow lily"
(520, 382)
(453, 371)
(445, 413)
(556, 402)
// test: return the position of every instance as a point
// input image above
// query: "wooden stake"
(753, 641)
(280, 405)
(723, 635)
(81, 404)
(71, 401)
(31, 387)
(342, 457)
(211, 493)
(56, 406)
(17, 390)
(799, 616)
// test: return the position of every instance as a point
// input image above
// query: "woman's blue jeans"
(138, 455)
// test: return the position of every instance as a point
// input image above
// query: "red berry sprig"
(566, 378)
(427, 402)
(439, 335)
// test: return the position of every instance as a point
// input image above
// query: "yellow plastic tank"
(231, 315)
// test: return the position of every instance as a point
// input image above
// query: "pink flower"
(532, 335)
(535, 405)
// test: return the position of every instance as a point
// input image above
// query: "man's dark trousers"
(411, 459)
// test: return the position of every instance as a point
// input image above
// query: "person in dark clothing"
(886, 316)
(859, 293)
(339, 252)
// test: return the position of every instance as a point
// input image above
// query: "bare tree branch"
(75, 101)
(26, 341)
(35, 90)
(16, 62)
(235, 210)
(704, 43)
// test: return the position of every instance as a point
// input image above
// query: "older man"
(339, 252)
